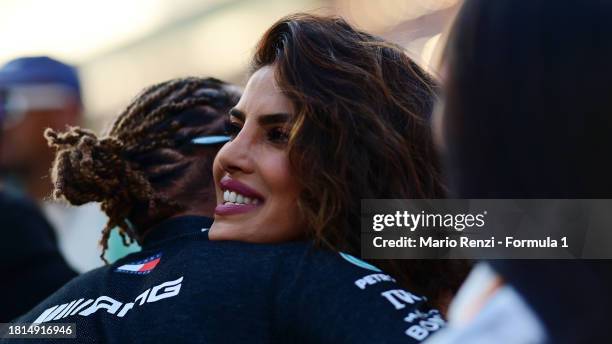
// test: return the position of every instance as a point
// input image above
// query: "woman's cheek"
(278, 174)
(217, 175)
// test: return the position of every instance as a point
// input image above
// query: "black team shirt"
(183, 288)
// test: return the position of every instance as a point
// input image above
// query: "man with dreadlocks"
(153, 176)
(149, 166)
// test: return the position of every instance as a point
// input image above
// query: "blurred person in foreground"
(39, 93)
(527, 115)
(30, 262)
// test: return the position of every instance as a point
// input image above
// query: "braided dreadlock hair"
(142, 171)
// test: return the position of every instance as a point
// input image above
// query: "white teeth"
(231, 197)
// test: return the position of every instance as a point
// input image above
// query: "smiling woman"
(330, 116)
(255, 167)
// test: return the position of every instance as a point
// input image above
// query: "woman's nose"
(235, 156)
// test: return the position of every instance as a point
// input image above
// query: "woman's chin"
(221, 230)
(246, 231)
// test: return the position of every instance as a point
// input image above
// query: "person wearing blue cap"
(30, 262)
(37, 93)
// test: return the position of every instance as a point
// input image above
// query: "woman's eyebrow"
(273, 118)
(267, 119)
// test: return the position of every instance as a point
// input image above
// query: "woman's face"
(256, 192)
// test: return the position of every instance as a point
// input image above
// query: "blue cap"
(25, 71)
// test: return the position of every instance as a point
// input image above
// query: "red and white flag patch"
(141, 267)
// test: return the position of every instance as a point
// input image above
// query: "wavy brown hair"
(360, 130)
(145, 169)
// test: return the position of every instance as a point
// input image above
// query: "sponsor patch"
(141, 267)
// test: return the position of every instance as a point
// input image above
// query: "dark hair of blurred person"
(527, 105)
(30, 260)
(527, 115)
(146, 169)
(358, 128)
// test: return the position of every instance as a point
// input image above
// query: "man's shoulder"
(238, 250)
(86, 281)
(296, 254)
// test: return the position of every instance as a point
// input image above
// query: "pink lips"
(232, 209)
(230, 184)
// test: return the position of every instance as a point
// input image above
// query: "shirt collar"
(176, 227)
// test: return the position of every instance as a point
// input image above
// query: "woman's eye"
(232, 129)
(278, 135)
